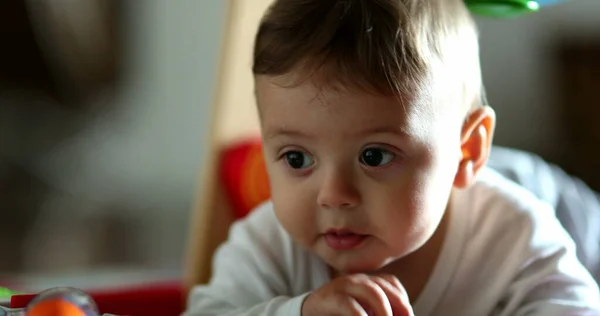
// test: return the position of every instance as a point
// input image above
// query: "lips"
(342, 239)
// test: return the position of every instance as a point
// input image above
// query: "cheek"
(421, 194)
(293, 205)
(435, 184)
(396, 203)
(287, 192)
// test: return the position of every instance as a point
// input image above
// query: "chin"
(366, 260)
(358, 264)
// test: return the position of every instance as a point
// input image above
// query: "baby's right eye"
(298, 159)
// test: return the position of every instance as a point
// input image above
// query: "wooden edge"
(212, 229)
(216, 233)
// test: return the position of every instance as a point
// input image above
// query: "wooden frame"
(234, 117)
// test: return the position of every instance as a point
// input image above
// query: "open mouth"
(343, 239)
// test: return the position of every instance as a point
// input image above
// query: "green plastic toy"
(502, 8)
(507, 8)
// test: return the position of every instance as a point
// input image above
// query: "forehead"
(321, 109)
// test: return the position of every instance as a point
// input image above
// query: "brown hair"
(384, 46)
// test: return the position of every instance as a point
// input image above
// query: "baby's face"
(358, 179)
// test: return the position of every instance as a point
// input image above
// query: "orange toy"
(54, 307)
(62, 301)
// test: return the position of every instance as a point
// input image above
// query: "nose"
(338, 192)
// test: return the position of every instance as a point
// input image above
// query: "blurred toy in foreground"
(61, 301)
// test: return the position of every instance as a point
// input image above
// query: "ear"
(476, 143)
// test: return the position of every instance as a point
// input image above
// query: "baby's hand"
(359, 295)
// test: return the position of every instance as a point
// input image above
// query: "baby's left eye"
(376, 157)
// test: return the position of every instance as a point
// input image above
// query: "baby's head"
(371, 112)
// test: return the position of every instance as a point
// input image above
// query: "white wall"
(517, 69)
(144, 152)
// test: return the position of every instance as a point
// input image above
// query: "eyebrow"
(282, 131)
(384, 130)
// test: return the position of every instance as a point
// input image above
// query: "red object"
(244, 175)
(151, 300)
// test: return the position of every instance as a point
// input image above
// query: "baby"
(376, 135)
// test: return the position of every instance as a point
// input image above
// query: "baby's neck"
(414, 270)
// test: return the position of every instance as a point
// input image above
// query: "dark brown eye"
(376, 157)
(298, 159)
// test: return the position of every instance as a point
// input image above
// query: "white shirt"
(505, 253)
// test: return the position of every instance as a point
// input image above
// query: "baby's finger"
(344, 305)
(370, 295)
(396, 294)
(393, 280)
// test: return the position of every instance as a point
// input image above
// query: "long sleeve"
(549, 280)
(577, 205)
(517, 258)
(207, 305)
(251, 273)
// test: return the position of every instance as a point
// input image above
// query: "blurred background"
(110, 110)
(104, 113)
